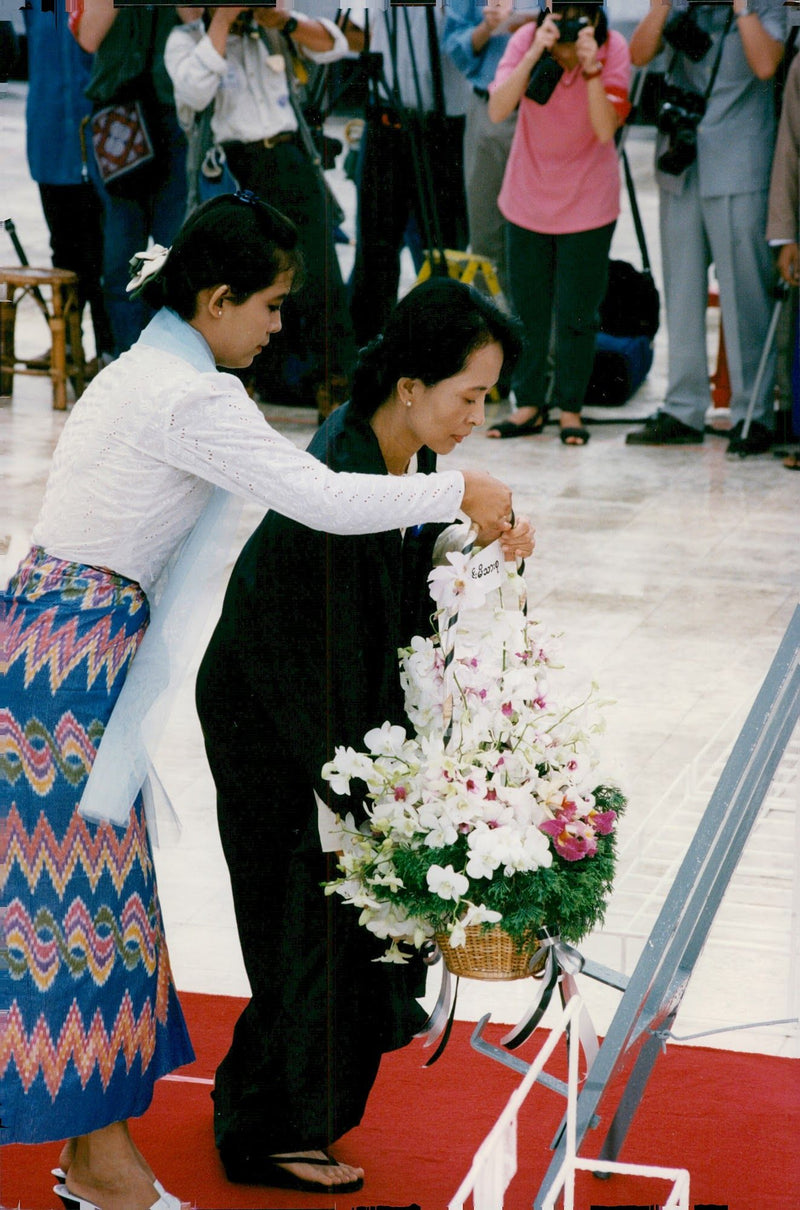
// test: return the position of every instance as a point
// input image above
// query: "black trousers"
(557, 283)
(389, 194)
(316, 343)
(307, 1048)
(74, 215)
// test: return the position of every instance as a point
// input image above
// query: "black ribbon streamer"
(552, 960)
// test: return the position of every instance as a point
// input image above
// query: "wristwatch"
(290, 26)
(594, 71)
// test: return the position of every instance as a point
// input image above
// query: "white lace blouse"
(160, 427)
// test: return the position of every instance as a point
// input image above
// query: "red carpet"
(732, 1119)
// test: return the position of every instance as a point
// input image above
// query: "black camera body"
(570, 27)
(679, 116)
(544, 77)
(686, 37)
(547, 72)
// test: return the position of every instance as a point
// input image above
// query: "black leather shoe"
(663, 429)
(758, 440)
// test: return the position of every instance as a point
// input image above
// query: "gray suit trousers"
(486, 148)
(730, 232)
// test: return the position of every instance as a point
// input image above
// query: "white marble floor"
(672, 573)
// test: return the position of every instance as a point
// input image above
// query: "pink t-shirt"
(559, 177)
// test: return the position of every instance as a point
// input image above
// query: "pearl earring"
(408, 403)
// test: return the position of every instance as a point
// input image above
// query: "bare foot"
(67, 1156)
(106, 1170)
(324, 1175)
(129, 1190)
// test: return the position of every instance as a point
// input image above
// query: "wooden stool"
(63, 318)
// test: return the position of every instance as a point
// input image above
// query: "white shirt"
(248, 85)
(151, 435)
(390, 32)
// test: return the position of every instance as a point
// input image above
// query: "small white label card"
(486, 567)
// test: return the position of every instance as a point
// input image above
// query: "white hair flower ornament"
(144, 265)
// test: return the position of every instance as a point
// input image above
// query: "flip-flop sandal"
(527, 428)
(278, 1177)
(581, 436)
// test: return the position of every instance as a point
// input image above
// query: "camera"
(686, 37)
(679, 116)
(570, 27)
(547, 72)
(544, 77)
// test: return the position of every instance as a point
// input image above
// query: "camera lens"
(570, 27)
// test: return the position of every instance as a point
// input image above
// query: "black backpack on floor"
(629, 318)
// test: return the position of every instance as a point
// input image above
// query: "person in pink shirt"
(569, 76)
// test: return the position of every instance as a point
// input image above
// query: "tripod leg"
(762, 365)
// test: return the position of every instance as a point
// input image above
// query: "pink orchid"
(573, 837)
(603, 821)
(572, 841)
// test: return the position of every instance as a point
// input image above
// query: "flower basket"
(488, 953)
(493, 813)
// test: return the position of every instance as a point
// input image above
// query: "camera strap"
(635, 214)
(306, 138)
(717, 58)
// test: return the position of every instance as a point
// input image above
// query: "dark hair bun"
(235, 240)
(429, 335)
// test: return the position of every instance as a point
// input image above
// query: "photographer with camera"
(569, 76)
(476, 34)
(713, 156)
(243, 62)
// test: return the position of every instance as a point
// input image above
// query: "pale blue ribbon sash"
(181, 601)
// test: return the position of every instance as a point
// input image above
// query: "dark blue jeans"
(557, 283)
(127, 225)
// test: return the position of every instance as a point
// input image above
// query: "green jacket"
(136, 38)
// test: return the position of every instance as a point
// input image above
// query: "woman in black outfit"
(304, 658)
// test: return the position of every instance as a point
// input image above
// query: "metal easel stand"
(780, 294)
(495, 1161)
(655, 990)
(653, 993)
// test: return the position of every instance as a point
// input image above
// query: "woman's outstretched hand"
(520, 541)
(487, 502)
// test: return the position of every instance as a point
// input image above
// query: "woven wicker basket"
(489, 953)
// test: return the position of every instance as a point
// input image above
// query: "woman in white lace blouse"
(92, 1017)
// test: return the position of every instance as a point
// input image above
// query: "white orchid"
(346, 764)
(445, 823)
(446, 883)
(453, 587)
(386, 740)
